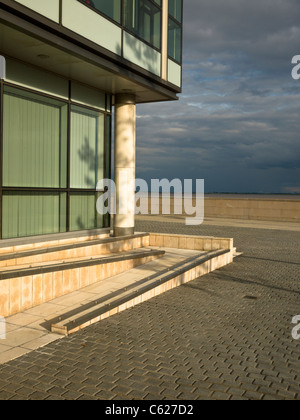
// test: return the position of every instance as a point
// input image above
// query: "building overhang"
(61, 52)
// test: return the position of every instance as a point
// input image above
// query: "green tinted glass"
(175, 9)
(110, 8)
(83, 213)
(34, 140)
(143, 18)
(87, 147)
(174, 41)
(32, 213)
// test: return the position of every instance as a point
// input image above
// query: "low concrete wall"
(254, 208)
(279, 210)
(196, 243)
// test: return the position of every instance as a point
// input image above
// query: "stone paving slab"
(224, 336)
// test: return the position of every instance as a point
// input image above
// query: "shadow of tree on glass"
(82, 210)
(88, 156)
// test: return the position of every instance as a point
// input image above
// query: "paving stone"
(89, 390)
(171, 394)
(137, 395)
(38, 396)
(251, 395)
(287, 394)
(24, 391)
(105, 395)
(72, 395)
(267, 397)
(6, 395)
(57, 391)
(220, 396)
(54, 398)
(237, 398)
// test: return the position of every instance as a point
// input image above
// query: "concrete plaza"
(227, 335)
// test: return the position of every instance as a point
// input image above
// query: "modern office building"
(68, 68)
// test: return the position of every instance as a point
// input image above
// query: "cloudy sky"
(237, 121)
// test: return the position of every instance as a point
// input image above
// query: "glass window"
(110, 8)
(54, 154)
(174, 41)
(34, 140)
(83, 213)
(32, 213)
(175, 9)
(87, 147)
(143, 18)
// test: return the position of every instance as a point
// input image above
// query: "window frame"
(180, 24)
(135, 32)
(107, 142)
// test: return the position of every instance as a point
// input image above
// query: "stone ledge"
(73, 250)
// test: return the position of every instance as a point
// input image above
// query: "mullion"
(1, 152)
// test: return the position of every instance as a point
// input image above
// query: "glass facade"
(27, 213)
(174, 41)
(54, 152)
(34, 140)
(110, 8)
(175, 30)
(175, 9)
(143, 19)
(87, 148)
(82, 211)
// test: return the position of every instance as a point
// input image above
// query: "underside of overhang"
(74, 62)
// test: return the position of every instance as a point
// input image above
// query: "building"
(69, 64)
(68, 68)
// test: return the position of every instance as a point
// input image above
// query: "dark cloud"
(237, 121)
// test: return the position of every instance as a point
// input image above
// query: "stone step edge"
(88, 262)
(112, 302)
(57, 248)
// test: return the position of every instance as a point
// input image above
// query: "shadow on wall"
(88, 156)
(140, 54)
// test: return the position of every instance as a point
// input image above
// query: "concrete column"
(125, 141)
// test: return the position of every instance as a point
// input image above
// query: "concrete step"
(71, 250)
(31, 243)
(26, 287)
(136, 255)
(141, 288)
